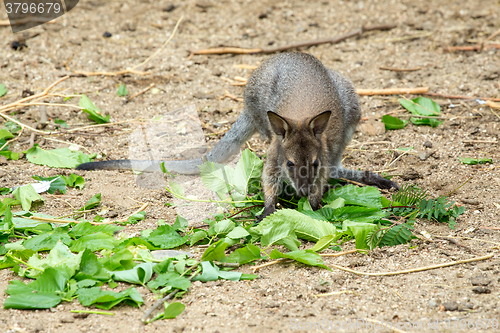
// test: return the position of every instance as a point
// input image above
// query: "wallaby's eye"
(316, 163)
(290, 165)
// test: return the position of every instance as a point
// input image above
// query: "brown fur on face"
(300, 143)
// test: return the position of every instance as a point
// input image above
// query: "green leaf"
(323, 243)
(367, 196)
(166, 237)
(223, 227)
(197, 236)
(57, 158)
(180, 224)
(248, 169)
(5, 134)
(74, 180)
(57, 183)
(421, 106)
(171, 311)
(27, 195)
(94, 242)
(140, 274)
(47, 241)
(215, 252)
(426, 121)
(3, 90)
(392, 123)
(307, 257)
(59, 256)
(170, 279)
(93, 111)
(217, 177)
(86, 228)
(244, 255)
(337, 203)
(9, 154)
(358, 214)
(474, 161)
(122, 91)
(237, 233)
(92, 202)
(213, 273)
(45, 292)
(176, 190)
(360, 232)
(106, 299)
(123, 259)
(61, 123)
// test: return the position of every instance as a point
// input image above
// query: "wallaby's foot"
(267, 211)
(370, 178)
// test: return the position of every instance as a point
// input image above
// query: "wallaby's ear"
(278, 124)
(318, 123)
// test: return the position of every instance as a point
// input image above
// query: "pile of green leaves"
(85, 261)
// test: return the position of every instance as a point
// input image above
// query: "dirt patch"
(283, 299)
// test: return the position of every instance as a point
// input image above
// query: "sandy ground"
(284, 297)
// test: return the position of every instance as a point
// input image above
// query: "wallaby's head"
(301, 148)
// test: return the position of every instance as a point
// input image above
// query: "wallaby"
(308, 112)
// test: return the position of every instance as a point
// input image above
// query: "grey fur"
(298, 89)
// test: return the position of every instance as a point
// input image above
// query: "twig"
(338, 254)
(159, 302)
(163, 46)
(143, 207)
(476, 47)
(242, 210)
(401, 69)
(26, 126)
(454, 241)
(103, 125)
(256, 268)
(29, 98)
(48, 219)
(133, 70)
(397, 158)
(392, 91)
(476, 239)
(413, 270)
(231, 96)
(493, 35)
(93, 312)
(452, 191)
(334, 293)
(334, 40)
(353, 182)
(385, 324)
(140, 92)
(12, 140)
(462, 97)
(479, 141)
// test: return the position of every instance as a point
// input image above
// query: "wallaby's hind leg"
(365, 177)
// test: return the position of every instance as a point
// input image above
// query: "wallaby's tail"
(229, 145)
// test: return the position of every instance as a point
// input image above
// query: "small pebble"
(428, 144)
(107, 34)
(481, 290)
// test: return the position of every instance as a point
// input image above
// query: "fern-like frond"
(409, 195)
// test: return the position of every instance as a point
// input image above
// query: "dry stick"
(401, 69)
(159, 302)
(462, 97)
(392, 91)
(353, 182)
(334, 40)
(12, 140)
(454, 241)
(397, 330)
(141, 92)
(26, 126)
(338, 254)
(29, 98)
(133, 70)
(413, 270)
(335, 293)
(476, 239)
(477, 47)
(474, 141)
(143, 207)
